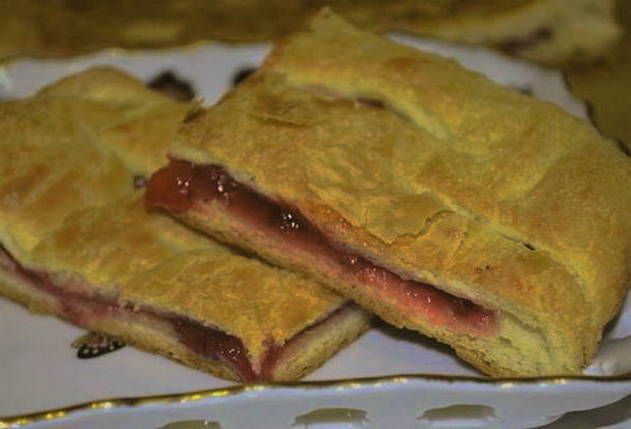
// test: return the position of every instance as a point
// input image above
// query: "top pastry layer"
(435, 170)
(68, 206)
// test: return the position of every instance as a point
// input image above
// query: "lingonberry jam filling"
(182, 186)
(82, 309)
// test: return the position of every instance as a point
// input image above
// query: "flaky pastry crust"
(439, 174)
(69, 208)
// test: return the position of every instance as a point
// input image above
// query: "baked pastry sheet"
(132, 373)
(78, 242)
(425, 169)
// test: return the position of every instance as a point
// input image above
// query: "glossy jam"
(214, 344)
(183, 186)
(82, 310)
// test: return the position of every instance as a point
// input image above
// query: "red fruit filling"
(182, 186)
(84, 309)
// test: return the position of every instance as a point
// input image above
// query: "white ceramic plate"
(39, 370)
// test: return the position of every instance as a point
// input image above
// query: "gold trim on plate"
(502, 383)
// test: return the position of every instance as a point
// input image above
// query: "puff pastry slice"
(76, 241)
(433, 197)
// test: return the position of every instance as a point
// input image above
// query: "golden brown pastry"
(77, 242)
(549, 31)
(433, 197)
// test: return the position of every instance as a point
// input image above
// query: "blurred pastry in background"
(553, 32)
(606, 86)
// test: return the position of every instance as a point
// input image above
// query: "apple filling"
(181, 186)
(84, 309)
